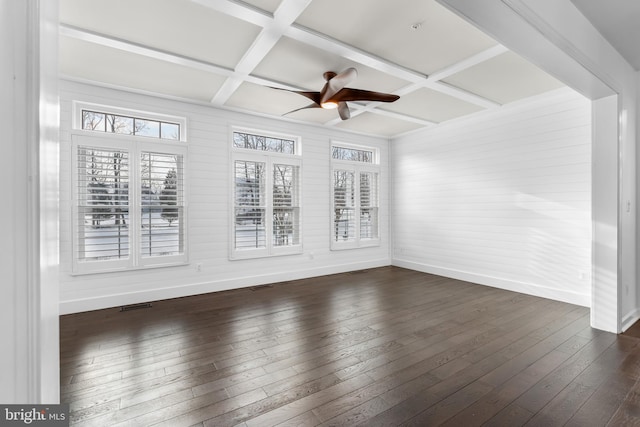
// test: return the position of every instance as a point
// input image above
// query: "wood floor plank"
(386, 346)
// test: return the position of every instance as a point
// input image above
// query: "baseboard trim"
(583, 300)
(630, 319)
(147, 295)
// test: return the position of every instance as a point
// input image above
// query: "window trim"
(269, 158)
(135, 261)
(296, 139)
(357, 168)
(375, 161)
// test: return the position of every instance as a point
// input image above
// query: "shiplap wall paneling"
(501, 199)
(208, 133)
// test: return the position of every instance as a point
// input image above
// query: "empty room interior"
(322, 212)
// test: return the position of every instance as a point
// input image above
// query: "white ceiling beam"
(476, 59)
(127, 46)
(403, 117)
(272, 31)
(356, 109)
(244, 11)
(324, 42)
(462, 94)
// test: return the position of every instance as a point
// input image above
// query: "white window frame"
(269, 158)
(134, 146)
(356, 168)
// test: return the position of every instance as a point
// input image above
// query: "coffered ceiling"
(230, 53)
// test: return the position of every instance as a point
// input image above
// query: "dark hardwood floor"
(383, 347)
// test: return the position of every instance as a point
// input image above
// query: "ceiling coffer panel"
(433, 106)
(505, 78)
(378, 124)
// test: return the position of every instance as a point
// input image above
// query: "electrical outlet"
(198, 267)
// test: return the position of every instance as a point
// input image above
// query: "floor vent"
(135, 306)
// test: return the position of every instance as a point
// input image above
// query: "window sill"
(98, 270)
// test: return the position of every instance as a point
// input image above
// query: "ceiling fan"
(334, 94)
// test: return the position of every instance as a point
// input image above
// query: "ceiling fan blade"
(343, 110)
(314, 96)
(336, 82)
(314, 105)
(348, 94)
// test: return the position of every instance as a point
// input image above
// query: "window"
(113, 123)
(121, 121)
(129, 203)
(266, 196)
(355, 175)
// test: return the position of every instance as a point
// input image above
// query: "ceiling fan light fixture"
(329, 105)
(334, 95)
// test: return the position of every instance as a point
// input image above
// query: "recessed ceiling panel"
(386, 29)
(314, 115)
(377, 124)
(431, 105)
(505, 78)
(275, 102)
(301, 65)
(266, 5)
(176, 26)
(120, 68)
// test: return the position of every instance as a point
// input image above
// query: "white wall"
(555, 36)
(208, 194)
(502, 198)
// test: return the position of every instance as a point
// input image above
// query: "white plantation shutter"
(368, 205)
(102, 207)
(250, 205)
(344, 220)
(130, 207)
(286, 208)
(162, 204)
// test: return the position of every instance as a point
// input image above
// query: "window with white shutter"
(102, 222)
(162, 204)
(250, 205)
(129, 208)
(266, 195)
(355, 193)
